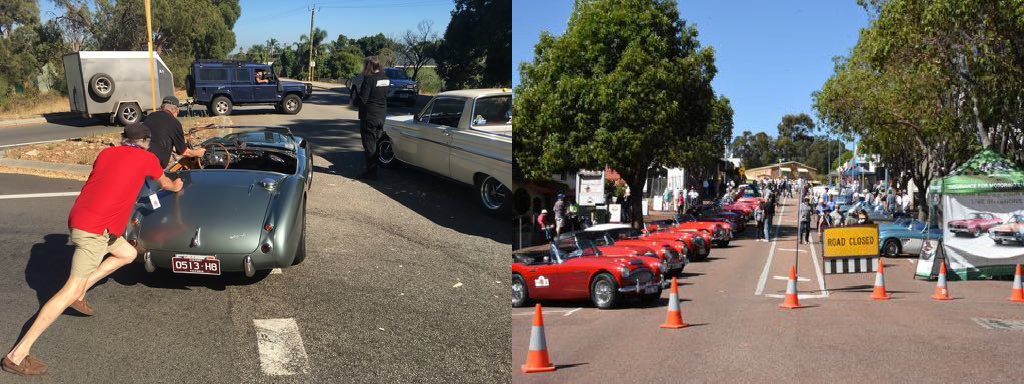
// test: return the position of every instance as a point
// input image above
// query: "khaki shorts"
(90, 249)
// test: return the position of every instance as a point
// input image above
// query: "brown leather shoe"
(30, 366)
(83, 307)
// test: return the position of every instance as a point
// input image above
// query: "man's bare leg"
(73, 289)
(122, 256)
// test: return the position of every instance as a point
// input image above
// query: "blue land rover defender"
(222, 84)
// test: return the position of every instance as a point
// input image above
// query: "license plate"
(195, 264)
(651, 289)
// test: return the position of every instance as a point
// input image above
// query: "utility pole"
(312, 12)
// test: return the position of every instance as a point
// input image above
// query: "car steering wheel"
(210, 156)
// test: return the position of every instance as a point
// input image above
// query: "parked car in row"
(567, 270)
(1011, 231)
(694, 244)
(663, 253)
(894, 239)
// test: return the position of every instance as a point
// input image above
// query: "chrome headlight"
(623, 271)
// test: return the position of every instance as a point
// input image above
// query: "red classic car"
(1013, 230)
(974, 224)
(564, 272)
(695, 244)
(719, 231)
(659, 254)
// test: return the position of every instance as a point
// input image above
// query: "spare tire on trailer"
(101, 85)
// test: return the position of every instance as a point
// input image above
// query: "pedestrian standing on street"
(542, 224)
(769, 214)
(373, 107)
(680, 196)
(559, 211)
(168, 135)
(804, 230)
(98, 217)
(759, 218)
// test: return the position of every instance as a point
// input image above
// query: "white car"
(463, 135)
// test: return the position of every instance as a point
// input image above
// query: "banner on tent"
(983, 233)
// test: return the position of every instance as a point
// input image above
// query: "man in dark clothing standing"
(168, 134)
(373, 106)
(804, 229)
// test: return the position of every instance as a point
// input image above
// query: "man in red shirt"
(97, 220)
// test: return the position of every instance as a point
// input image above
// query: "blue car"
(896, 239)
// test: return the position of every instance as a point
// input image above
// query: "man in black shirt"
(167, 133)
(372, 102)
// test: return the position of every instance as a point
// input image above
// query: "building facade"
(786, 170)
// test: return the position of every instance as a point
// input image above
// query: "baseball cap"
(170, 100)
(136, 131)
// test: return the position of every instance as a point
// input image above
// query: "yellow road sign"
(854, 241)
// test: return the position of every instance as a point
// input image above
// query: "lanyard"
(136, 146)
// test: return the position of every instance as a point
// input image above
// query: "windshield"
(395, 73)
(242, 147)
(1016, 219)
(916, 226)
(975, 216)
(623, 233)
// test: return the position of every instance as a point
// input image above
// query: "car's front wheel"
(891, 248)
(386, 153)
(604, 291)
(291, 104)
(494, 195)
(519, 294)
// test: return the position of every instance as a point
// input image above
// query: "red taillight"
(268, 228)
(265, 248)
(136, 221)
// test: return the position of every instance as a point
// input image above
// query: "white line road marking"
(275, 271)
(280, 347)
(798, 278)
(566, 312)
(817, 268)
(791, 249)
(798, 296)
(32, 195)
(771, 254)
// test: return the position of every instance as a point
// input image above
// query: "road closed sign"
(854, 241)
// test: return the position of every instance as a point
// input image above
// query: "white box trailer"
(115, 83)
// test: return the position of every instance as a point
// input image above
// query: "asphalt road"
(401, 283)
(740, 335)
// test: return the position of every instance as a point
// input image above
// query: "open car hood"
(217, 212)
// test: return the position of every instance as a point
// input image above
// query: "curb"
(33, 120)
(42, 168)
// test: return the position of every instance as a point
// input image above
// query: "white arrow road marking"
(280, 347)
(32, 195)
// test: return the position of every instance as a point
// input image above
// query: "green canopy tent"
(987, 193)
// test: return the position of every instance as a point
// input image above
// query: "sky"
(287, 20)
(770, 55)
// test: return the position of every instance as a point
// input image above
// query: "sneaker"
(30, 366)
(83, 307)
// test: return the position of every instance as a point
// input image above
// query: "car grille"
(961, 226)
(1002, 233)
(640, 275)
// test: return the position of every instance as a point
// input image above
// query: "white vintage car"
(463, 135)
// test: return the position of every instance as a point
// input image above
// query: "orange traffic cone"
(674, 319)
(1016, 293)
(879, 291)
(941, 293)
(791, 301)
(537, 355)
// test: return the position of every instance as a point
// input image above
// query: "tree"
(903, 108)
(373, 45)
(476, 51)
(417, 48)
(624, 87)
(796, 127)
